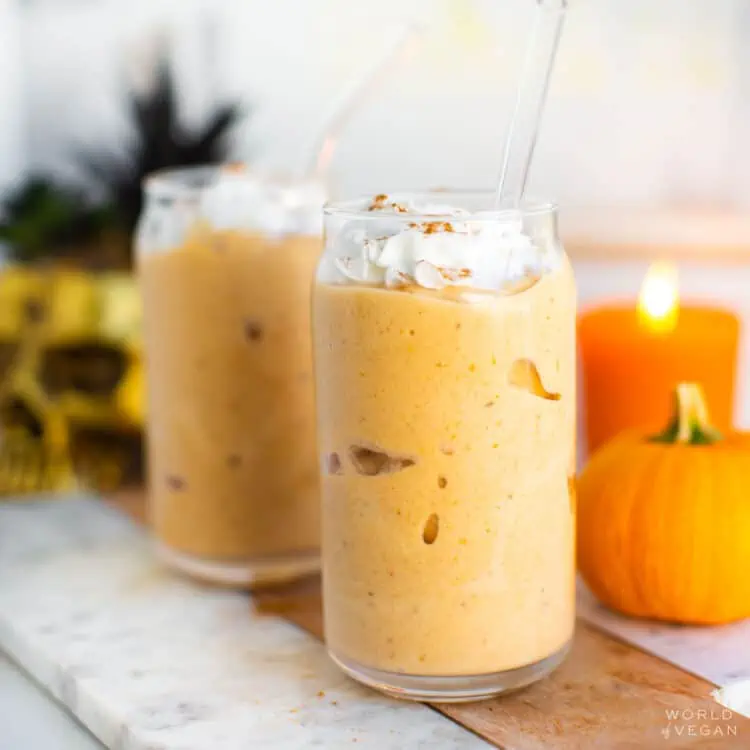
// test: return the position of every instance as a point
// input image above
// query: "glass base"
(250, 573)
(458, 689)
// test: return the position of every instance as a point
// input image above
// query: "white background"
(649, 102)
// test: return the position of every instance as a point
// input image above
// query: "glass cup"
(444, 338)
(226, 259)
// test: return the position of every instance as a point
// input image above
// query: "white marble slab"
(148, 661)
(718, 654)
(29, 718)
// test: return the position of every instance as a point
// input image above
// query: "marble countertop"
(149, 661)
(29, 718)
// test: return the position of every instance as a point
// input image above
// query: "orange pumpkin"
(664, 521)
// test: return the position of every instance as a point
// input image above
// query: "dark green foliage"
(43, 217)
(158, 142)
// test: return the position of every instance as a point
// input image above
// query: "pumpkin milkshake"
(226, 267)
(445, 362)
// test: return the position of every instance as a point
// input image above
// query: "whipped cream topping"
(239, 199)
(442, 246)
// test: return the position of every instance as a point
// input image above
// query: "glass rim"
(175, 183)
(358, 207)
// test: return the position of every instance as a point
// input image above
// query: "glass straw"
(351, 99)
(532, 94)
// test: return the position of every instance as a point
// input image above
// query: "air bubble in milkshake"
(371, 462)
(431, 528)
(525, 375)
(253, 330)
(333, 464)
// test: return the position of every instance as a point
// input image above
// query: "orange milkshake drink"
(444, 338)
(226, 262)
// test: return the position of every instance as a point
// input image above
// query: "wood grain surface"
(607, 695)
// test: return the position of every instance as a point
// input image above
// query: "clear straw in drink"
(532, 94)
(352, 98)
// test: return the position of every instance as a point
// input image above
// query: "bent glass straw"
(531, 97)
(350, 101)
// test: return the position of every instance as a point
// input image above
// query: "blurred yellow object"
(71, 307)
(120, 309)
(130, 395)
(21, 293)
(71, 379)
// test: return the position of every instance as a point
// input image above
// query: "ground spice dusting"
(454, 274)
(434, 227)
(378, 202)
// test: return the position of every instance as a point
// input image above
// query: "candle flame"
(658, 304)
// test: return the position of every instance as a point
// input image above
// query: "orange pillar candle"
(633, 357)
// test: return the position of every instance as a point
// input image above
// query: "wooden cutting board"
(607, 694)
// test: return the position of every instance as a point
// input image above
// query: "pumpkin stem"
(690, 424)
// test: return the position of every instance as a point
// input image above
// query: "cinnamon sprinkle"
(453, 274)
(399, 281)
(379, 203)
(433, 227)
